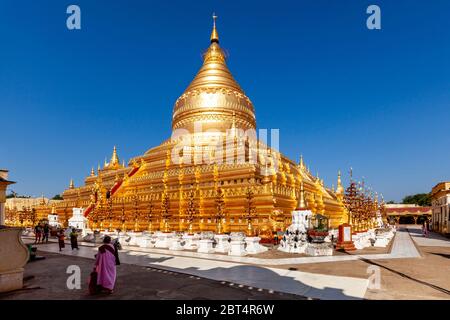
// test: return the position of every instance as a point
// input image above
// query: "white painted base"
(381, 243)
(205, 246)
(222, 246)
(135, 238)
(176, 245)
(253, 245)
(362, 240)
(319, 249)
(289, 248)
(147, 242)
(237, 248)
(191, 241)
(164, 240)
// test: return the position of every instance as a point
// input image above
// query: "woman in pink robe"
(106, 265)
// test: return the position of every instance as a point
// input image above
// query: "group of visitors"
(41, 232)
(103, 277)
(73, 239)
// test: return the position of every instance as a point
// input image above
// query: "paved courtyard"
(413, 267)
(46, 280)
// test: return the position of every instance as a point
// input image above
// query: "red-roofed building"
(407, 213)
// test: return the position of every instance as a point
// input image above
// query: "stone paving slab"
(47, 280)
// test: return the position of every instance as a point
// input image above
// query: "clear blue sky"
(340, 94)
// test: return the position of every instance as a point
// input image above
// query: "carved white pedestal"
(164, 240)
(361, 240)
(381, 242)
(222, 246)
(205, 246)
(191, 241)
(253, 246)
(237, 248)
(147, 241)
(176, 244)
(135, 238)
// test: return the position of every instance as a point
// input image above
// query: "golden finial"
(340, 188)
(71, 186)
(92, 172)
(302, 164)
(98, 169)
(123, 163)
(214, 34)
(301, 203)
(114, 158)
(105, 164)
(53, 209)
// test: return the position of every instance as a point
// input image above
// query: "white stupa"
(295, 238)
(78, 219)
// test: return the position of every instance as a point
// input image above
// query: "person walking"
(74, 239)
(61, 238)
(105, 266)
(46, 233)
(425, 228)
(37, 233)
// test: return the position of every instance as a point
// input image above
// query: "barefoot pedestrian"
(74, 239)
(105, 266)
(46, 232)
(61, 239)
(37, 233)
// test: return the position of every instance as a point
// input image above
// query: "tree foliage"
(13, 194)
(421, 199)
(57, 197)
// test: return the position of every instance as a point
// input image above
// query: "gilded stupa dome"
(213, 99)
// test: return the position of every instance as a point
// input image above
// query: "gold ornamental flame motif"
(213, 96)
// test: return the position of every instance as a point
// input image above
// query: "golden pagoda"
(213, 151)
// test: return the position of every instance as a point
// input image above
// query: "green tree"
(57, 197)
(421, 199)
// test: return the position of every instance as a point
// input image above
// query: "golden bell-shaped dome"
(213, 97)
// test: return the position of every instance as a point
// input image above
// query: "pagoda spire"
(71, 185)
(214, 34)
(92, 172)
(301, 203)
(114, 158)
(302, 163)
(340, 188)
